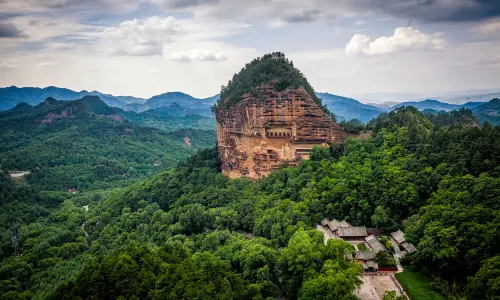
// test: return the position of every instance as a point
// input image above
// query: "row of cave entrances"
(279, 134)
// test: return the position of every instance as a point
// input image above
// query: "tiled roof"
(398, 236)
(365, 255)
(358, 231)
(375, 244)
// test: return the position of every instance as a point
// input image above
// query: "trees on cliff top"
(273, 68)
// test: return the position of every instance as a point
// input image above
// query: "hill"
(461, 99)
(272, 70)
(191, 233)
(176, 104)
(11, 96)
(348, 109)
(268, 116)
(489, 112)
(429, 104)
(86, 144)
(171, 118)
(187, 111)
(202, 106)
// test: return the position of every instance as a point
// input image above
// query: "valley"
(85, 144)
(143, 205)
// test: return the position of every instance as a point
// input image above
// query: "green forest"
(87, 145)
(191, 233)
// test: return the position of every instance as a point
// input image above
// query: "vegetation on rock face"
(191, 233)
(273, 69)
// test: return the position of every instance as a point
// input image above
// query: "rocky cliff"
(258, 134)
(268, 115)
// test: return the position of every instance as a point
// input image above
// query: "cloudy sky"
(347, 47)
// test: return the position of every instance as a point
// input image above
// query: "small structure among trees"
(345, 230)
(375, 244)
(399, 238)
(367, 260)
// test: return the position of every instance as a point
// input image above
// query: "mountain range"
(179, 105)
(88, 144)
(11, 96)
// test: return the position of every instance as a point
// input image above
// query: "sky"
(370, 49)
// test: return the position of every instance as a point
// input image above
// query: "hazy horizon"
(143, 48)
(369, 98)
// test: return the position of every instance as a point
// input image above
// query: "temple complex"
(259, 134)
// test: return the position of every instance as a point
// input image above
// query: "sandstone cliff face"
(256, 136)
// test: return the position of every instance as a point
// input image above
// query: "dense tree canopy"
(273, 68)
(83, 147)
(191, 233)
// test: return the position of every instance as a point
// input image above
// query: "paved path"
(19, 174)
(375, 286)
(367, 290)
(86, 207)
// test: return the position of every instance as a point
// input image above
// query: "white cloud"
(7, 66)
(77, 6)
(141, 37)
(153, 71)
(62, 46)
(151, 36)
(490, 26)
(195, 55)
(46, 64)
(404, 38)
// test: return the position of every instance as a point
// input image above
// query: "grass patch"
(362, 247)
(418, 286)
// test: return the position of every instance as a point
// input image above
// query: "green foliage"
(459, 227)
(169, 272)
(362, 247)
(190, 232)
(417, 286)
(320, 153)
(88, 150)
(387, 243)
(459, 117)
(391, 295)
(353, 126)
(273, 69)
(169, 121)
(323, 270)
(486, 283)
(384, 259)
(489, 112)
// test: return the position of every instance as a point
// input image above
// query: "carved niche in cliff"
(257, 135)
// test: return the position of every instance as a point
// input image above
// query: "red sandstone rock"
(256, 136)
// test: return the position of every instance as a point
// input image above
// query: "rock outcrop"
(258, 134)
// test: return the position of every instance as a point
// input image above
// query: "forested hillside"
(191, 233)
(173, 117)
(489, 112)
(85, 144)
(272, 69)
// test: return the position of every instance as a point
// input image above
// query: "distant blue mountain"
(180, 104)
(11, 96)
(429, 104)
(488, 112)
(201, 106)
(348, 108)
